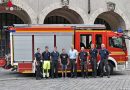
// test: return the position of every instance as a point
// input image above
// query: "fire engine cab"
(25, 39)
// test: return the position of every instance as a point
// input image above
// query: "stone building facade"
(112, 13)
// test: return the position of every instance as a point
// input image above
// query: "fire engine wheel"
(110, 66)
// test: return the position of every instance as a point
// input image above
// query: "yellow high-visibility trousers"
(46, 68)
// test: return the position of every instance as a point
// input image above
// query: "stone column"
(128, 46)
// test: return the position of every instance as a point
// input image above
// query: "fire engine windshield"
(117, 42)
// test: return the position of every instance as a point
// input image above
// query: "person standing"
(54, 60)
(73, 56)
(83, 61)
(46, 62)
(104, 53)
(64, 62)
(93, 58)
(38, 58)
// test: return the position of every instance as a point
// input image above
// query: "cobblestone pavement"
(13, 81)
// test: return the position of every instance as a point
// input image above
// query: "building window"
(98, 41)
(116, 42)
(86, 41)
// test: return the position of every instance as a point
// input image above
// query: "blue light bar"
(120, 30)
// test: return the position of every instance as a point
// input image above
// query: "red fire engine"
(24, 39)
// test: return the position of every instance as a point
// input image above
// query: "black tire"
(98, 69)
(110, 66)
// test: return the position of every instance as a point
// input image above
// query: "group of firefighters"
(47, 61)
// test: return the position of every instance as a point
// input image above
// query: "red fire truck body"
(25, 39)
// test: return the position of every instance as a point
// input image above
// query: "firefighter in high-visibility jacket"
(104, 53)
(46, 62)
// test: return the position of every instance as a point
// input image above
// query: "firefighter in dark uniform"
(54, 59)
(93, 59)
(83, 59)
(38, 58)
(104, 53)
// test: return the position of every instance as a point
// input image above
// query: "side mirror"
(124, 48)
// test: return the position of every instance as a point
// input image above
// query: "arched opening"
(14, 13)
(63, 16)
(8, 17)
(102, 21)
(56, 20)
(111, 20)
